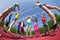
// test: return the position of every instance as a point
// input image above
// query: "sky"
(27, 6)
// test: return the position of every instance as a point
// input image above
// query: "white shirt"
(28, 20)
(21, 24)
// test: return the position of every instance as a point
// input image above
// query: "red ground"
(55, 36)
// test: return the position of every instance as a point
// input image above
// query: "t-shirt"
(43, 19)
(19, 23)
(29, 20)
(17, 16)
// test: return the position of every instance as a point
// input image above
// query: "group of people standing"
(21, 24)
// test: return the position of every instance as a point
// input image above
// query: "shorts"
(45, 26)
(36, 27)
(29, 24)
(22, 30)
(42, 5)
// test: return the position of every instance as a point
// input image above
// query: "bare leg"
(4, 27)
(50, 14)
(26, 30)
(52, 7)
(48, 28)
(11, 25)
(30, 31)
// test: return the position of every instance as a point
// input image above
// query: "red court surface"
(52, 36)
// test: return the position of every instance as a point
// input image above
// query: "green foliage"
(3, 24)
(41, 30)
(14, 30)
(50, 23)
(57, 18)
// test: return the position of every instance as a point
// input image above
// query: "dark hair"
(38, 2)
(28, 17)
(35, 19)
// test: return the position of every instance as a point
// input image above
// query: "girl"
(22, 28)
(45, 26)
(46, 8)
(28, 25)
(36, 29)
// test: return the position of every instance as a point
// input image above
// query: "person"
(15, 19)
(19, 23)
(10, 17)
(28, 25)
(22, 28)
(36, 28)
(7, 22)
(45, 25)
(46, 8)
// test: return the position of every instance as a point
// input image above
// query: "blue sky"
(27, 5)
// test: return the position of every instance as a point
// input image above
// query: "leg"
(51, 15)
(52, 7)
(19, 29)
(53, 18)
(48, 29)
(30, 31)
(11, 25)
(4, 27)
(44, 31)
(26, 30)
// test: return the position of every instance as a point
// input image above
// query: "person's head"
(17, 5)
(19, 23)
(42, 15)
(17, 13)
(28, 17)
(35, 19)
(10, 14)
(37, 3)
